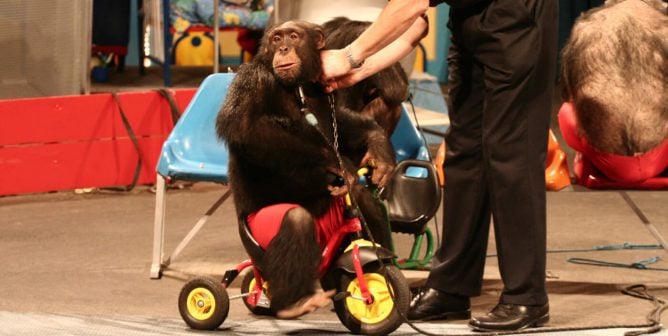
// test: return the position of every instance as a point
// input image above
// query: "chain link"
(335, 130)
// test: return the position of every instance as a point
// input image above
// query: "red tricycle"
(372, 293)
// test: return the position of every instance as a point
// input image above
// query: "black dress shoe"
(432, 304)
(511, 317)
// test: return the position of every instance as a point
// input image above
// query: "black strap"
(135, 142)
(172, 104)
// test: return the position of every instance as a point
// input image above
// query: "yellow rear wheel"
(204, 303)
(201, 304)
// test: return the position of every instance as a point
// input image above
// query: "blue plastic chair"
(192, 152)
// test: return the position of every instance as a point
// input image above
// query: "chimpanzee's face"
(295, 47)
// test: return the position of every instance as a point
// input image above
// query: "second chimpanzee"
(613, 76)
(282, 163)
(378, 96)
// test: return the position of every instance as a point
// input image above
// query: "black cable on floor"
(654, 317)
(639, 291)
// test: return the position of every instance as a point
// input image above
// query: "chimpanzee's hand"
(336, 184)
(382, 171)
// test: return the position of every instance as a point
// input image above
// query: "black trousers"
(502, 65)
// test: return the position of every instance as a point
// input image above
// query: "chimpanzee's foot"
(307, 305)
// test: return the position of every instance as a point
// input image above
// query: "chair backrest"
(193, 151)
(407, 141)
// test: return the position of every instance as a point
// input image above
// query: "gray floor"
(78, 264)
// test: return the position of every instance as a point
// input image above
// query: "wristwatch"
(351, 60)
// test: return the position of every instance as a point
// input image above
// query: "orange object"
(556, 167)
(438, 163)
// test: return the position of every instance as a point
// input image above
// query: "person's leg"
(458, 264)
(517, 46)
(520, 78)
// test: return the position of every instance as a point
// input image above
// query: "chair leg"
(200, 223)
(158, 228)
(429, 249)
(412, 262)
(417, 245)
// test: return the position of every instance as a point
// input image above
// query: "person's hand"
(343, 82)
(382, 171)
(334, 64)
(337, 72)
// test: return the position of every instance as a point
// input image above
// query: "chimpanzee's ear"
(319, 37)
(264, 41)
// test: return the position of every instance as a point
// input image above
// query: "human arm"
(392, 36)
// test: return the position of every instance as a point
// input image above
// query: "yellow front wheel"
(204, 303)
(391, 295)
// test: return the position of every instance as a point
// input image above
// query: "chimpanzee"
(283, 162)
(379, 96)
(614, 70)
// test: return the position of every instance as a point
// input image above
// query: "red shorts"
(265, 223)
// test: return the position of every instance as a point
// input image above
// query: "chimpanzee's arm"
(363, 139)
(254, 125)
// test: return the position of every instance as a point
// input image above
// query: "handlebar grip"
(335, 180)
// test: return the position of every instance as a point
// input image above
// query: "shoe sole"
(460, 315)
(541, 321)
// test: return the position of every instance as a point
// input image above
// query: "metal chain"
(358, 212)
(335, 146)
(311, 119)
(335, 134)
